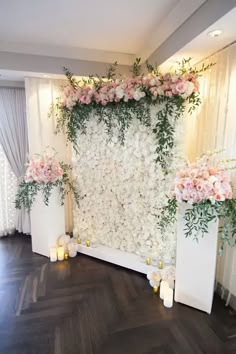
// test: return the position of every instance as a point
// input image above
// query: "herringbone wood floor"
(86, 306)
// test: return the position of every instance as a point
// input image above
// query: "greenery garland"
(74, 119)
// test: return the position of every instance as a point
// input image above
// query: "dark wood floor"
(86, 306)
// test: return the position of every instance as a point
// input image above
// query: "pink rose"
(180, 87)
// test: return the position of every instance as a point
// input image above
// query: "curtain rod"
(12, 87)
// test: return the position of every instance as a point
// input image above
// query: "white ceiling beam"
(205, 16)
(54, 65)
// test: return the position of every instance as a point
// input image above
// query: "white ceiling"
(109, 33)
(91, 30)
(203, 45)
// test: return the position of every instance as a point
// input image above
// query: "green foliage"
(111, 72)
(168, 215)
(197, 219)
(136, 68)
(201, 214)
(185, 66)
(70, 77)
(26, 194)
(152, 69)
(165, 128)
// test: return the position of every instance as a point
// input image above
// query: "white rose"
(119, 92)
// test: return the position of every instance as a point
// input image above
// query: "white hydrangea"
(123, 189)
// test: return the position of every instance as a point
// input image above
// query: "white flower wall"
(123, 189)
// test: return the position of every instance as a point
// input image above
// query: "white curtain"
(40, 94)
(14, 140)
(8, 187)
(214, 127)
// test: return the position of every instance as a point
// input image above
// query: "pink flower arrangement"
(43, 169)
(167, 85)
(202, 181)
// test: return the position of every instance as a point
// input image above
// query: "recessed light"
(215, 33)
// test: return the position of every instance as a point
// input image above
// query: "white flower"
(138, 94)
(119, 92)
(122, 188)
(63, 240)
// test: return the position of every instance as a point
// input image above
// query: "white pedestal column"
(47, 223)
(195, 266)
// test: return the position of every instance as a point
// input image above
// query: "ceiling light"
(215, 33)
(46, 76)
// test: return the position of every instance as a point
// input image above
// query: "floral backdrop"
(122, 189)
(126, 135)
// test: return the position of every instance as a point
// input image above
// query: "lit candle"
(88, 243)
(155, 289)
(168, 297)
(66, 256)
(160, 264)
(60, 253)
(148, 261)
(164, 285)
(53, 254)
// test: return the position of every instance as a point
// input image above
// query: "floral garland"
(43, 173)
(206, 186)
(118, 101)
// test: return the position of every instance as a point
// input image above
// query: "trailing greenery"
(168, 215)
(201, 214)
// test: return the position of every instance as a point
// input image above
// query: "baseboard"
(118, 257)
(223, 293)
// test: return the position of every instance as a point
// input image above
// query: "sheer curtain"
(214, 127)
(14, 140)
(8, 186)
(40, 94)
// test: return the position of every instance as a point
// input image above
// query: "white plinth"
(195, 267)
(118, 257)
(47, 223)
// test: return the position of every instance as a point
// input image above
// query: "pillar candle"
(164, 285)
(171, 283)
(168, 297)
(53, 254)
(60, 253)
